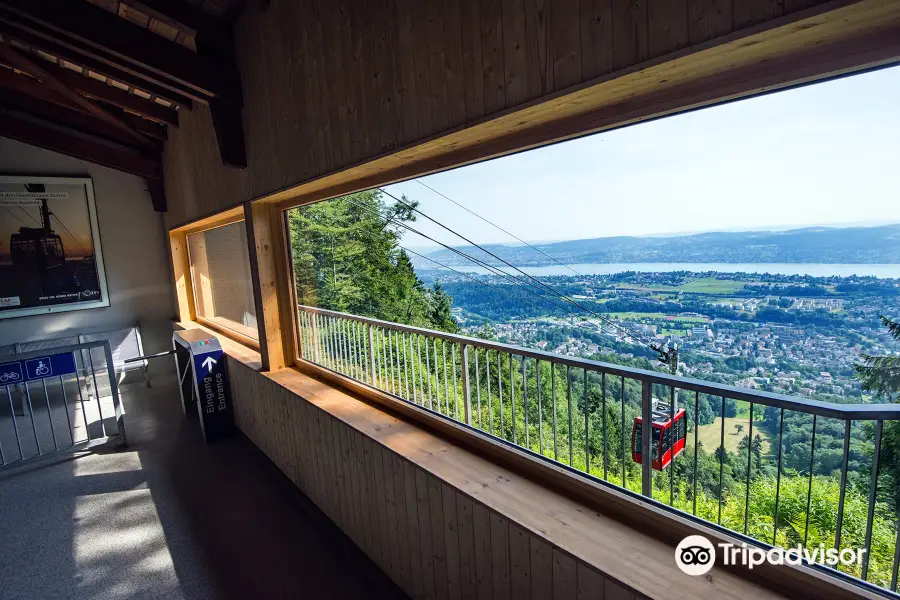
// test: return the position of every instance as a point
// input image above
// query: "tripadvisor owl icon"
(695, 555)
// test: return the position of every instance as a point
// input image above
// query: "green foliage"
(347, 258)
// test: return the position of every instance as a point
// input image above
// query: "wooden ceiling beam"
(23, 63)
(28, 37)
(97, 90)
(65, 116)
(212, 35)
(57, 140)
(91, 31)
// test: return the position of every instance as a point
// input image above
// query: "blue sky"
(824, 154)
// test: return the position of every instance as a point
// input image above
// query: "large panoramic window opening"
(220, 277)
(730, 276)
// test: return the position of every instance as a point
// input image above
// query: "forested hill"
(810, 245)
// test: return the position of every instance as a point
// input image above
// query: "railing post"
(314, 329)
(467, 402)
(646, 433)
(371, 358)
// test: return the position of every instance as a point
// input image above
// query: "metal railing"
(60, 411)
(586, 418)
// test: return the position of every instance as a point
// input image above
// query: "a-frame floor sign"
(204, 382)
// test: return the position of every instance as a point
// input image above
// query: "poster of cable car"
(50, 254)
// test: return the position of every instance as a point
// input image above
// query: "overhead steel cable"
(74, 239)
(442, 265)
(492, 224)
(652, 345)
(506, 276)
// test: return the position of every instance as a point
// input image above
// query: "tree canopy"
(347, 257)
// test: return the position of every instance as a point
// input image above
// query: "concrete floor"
(168, 518)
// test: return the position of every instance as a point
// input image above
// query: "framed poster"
(50, 254)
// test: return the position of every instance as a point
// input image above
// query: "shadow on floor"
(171, 518)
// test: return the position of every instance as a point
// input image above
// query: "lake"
(813, 269)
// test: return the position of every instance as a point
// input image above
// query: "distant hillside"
(810, 245)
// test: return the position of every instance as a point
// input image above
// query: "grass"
(711, 435)
(711, 285)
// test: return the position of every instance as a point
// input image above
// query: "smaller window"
(220, 277)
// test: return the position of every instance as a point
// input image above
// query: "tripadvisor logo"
(696, 555)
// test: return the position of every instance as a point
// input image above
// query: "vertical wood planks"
(426, 551)
(481, 529)
(466, 530)
(437, 69)
(667, 26)
(492, 56)
(566, 36)
(629, 32)
(514, 57)
(591, 584)
(708, 19)
(537, 47)
(519, 562)
(473, 71)
(565, 576)
(500, 569)
(451, 538)
(596, 38)
(438, 537)
(541, 568)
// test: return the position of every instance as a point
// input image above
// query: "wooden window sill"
(621, 551)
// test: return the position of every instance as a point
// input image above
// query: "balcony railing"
(590, 415)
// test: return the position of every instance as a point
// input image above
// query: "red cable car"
(672, 434)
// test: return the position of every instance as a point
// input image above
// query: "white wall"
(138, 268)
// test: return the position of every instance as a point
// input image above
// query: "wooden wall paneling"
(406, 49)
(707, 19)
(500, 570)
(380, 23)
(473, 70)
(419, 20)
(753, 12)
(296, 126)
(438, 538)
(353, 488)
(492, 56)
(453, 55)
(451, 538)
(591, 584)
(390, 505)
(566, 38)
(537, 48)
(629, 32)
(440, 113)
(519, 563)
(413, 531)
(379, 495)
(401, 523)
(330, 136)
(339, 475)
(465, 527)
(596, 38)
(374, 98)
(565, 575)
(514, 58)
(426, 552)
(481, 528)
(667, 26)
(615, 591)
(334, 78)
(368, 127)
(349, 78)
(541, 568)
(358, 487)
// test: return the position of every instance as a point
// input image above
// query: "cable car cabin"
(668, 439)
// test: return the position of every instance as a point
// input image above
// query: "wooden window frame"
(184, 280)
